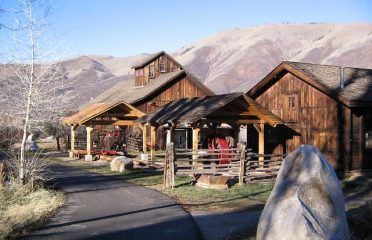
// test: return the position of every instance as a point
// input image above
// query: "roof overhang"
(229, 108)
(109, 113)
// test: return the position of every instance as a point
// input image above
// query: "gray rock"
(121, 163)
(307, 201)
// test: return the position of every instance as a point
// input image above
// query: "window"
(162, 66)
(291, 102)
(151, 71)
(139, 72)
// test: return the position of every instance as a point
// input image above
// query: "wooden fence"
(262, 167)
(234, 162)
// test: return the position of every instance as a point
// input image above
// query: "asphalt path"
(103, 207)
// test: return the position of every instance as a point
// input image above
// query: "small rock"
(120, 164)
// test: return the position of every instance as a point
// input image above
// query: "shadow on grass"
(257, 206)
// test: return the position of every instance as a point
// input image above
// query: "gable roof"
(357, 89)
(128, 92)
(96, 109)
(152, 57)
(191, 110)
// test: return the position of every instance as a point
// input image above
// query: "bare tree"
(33, 87)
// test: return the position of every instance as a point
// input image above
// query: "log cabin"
(327, 106)
(158, 79)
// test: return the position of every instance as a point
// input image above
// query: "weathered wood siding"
(182, 88)
(315, 118)
(168, 66)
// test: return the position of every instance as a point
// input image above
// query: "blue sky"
(130, 27)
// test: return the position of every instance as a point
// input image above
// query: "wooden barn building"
(327, 106)
(158, 80)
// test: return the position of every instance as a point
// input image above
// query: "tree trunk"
(58, 145)
(29, 99)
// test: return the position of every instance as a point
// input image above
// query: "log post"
(166, 168)
(89, 156)
(170, 135)
(241, 163)
(261, 145)
(236, 133)
(72, 142)
(195, 142)
(144, 138)
(171, 165)
(153, 143)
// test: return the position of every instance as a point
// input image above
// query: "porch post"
(72, 142)
(144, 138)
(153, 142)
(195, 141)
(89, 156)
(261, 144)
(236, 134)
(170, 135)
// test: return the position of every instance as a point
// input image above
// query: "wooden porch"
(119, 114)
(208, 112)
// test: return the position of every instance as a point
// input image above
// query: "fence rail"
(235, 162)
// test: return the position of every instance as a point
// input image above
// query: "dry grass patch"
(22, 208)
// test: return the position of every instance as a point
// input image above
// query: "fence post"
(166, 166)
(169, 167)
(241, 163)
(171, 164)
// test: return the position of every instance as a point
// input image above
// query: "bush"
(21, 207)
(8, 137)
(35, 169)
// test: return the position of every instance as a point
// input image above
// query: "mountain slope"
(237, 59)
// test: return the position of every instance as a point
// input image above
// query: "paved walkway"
(102, 207)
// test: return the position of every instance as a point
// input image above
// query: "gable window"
(139, 72)
(162, 66)
(151, 71)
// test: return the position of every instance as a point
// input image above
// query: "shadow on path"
(104, 207)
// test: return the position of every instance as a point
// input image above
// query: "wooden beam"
(111, 122)
(123, 123)
(153, 142)
(144, 138)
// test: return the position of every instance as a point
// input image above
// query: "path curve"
(103, 207)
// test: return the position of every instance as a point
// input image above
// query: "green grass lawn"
(191, 197)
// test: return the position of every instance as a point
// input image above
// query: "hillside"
(235, 60)
(239, 58)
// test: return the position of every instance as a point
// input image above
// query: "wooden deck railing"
(235, 162)
(262, 167)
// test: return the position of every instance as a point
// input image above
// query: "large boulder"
(306, 202)
(120, 164)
